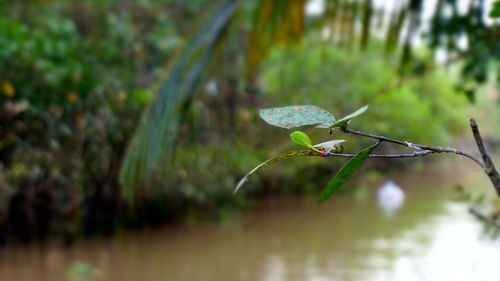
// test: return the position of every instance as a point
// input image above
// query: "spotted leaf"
(297, 116)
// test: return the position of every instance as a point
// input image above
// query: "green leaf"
(345, 173)
(345, 120)
(274, 160)
(301, 138)
(297, 116)
(153, 144)
(495, 10)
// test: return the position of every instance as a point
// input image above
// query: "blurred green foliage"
(75, 77)
(424, 110)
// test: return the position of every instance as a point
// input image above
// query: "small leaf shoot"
(330, 146)
(301, 139)
(341, 123)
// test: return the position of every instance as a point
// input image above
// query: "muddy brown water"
(432, 237)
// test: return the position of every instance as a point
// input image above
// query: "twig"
(422, 150)
(386, 156)
(489, 168)
(484, 218)
(416, 146)
(487, 164)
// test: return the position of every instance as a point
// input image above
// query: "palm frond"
(154, 141)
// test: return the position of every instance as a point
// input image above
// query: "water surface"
(347, 238)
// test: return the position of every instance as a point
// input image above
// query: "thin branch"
(438, 149)
(386, 156)
(487, 164)
(380, 138)
(484, 218)
(489, 168)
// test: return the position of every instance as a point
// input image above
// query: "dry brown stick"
(488, 167)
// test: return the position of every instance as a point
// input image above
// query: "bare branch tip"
(473, 123)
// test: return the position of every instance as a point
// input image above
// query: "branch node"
(409, 144)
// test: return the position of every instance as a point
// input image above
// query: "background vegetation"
(76, 77)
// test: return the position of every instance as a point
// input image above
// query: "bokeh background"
(125, 126)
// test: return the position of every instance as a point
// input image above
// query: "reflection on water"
(390, 197)
(346, 238)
